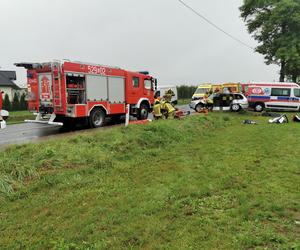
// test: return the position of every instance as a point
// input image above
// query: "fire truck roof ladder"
(94, 64)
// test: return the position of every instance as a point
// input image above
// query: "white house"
(7, 84)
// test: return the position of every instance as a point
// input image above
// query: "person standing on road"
(209, 102)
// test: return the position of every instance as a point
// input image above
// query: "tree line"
(18, 103)
(185, 92)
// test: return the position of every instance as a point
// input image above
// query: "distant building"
(7, 84)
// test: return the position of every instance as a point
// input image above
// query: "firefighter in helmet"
(168, 95)
(157, 106)
(167, 107)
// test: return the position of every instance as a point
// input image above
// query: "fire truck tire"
(143, 112)
(96, 118)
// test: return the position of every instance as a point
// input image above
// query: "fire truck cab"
(64, 91)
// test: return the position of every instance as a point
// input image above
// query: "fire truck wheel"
(143, 112)
(97, 118)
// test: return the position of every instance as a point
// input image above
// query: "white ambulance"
(272, 95)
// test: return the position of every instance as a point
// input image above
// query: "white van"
(161, 90)
(277, 96)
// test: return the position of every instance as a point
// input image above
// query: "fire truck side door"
(147, 87)
(135, 90)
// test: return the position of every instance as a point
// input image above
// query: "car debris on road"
(279, 120)
(249, 122)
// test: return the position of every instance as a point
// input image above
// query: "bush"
(186, 92)
(16, 103)
(23, 102)
(6, 103)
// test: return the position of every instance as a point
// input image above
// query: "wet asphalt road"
(29, 132)
(26, 132)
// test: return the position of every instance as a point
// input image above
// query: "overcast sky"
(160, 36)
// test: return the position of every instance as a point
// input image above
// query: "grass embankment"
(204, 182)
(184, 101)
(19, 116)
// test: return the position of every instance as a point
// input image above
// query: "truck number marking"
(96, 70)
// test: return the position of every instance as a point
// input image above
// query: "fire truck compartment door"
(96, 88)
(116, 89)
(45, 89)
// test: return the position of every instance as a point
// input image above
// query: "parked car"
(223, 101)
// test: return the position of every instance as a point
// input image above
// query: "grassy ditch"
(16, 117)
(203, 182)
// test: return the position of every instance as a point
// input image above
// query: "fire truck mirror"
(154, 83)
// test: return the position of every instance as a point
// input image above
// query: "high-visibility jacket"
(157, 108)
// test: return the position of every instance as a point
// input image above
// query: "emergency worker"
(217, 90)
(157, 106)
(209, 102)
(168, 95)
(166, 104)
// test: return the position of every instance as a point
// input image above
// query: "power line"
(214, 25)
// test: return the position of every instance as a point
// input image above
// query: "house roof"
(7, 78)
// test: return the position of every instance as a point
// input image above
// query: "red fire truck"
(67, 90)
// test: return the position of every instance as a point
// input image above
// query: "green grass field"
(198, 183)
(184, 101)
(19, 116)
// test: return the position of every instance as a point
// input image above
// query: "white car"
(223, 101)
(3, 116)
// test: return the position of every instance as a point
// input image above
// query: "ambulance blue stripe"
(260, 97)
(282, 98)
